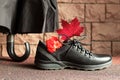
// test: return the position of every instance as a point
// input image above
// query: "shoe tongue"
(69, 42)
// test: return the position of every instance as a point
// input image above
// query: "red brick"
(31, 38)
(106, 31)
(116, 49)
(64, 1)
(107, 1)
(101, 47)
(70, 11)
(84, 1)
(0, 50)
(95, 12)
(113, 13)
(3, 38)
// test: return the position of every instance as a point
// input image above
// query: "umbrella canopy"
(26, 16)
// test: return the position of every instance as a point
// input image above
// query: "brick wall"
(100, 17)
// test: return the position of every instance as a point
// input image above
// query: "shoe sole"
(58, 66)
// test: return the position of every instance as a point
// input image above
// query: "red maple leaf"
(70, 29)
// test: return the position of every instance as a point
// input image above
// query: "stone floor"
(27, 71)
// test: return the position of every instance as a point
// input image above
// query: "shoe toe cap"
(103, 58)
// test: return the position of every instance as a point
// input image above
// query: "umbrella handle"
(11, 51)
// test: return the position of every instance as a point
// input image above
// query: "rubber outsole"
(59, 66)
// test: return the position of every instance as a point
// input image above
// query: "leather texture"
(28, 16)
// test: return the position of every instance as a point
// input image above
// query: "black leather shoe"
(70, 55)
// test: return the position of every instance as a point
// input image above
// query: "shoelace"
(78, 45)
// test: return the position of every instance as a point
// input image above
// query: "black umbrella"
(26, 16)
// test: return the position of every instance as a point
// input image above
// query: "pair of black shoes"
(70, 55)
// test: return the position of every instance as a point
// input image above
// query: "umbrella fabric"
(28, 16)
